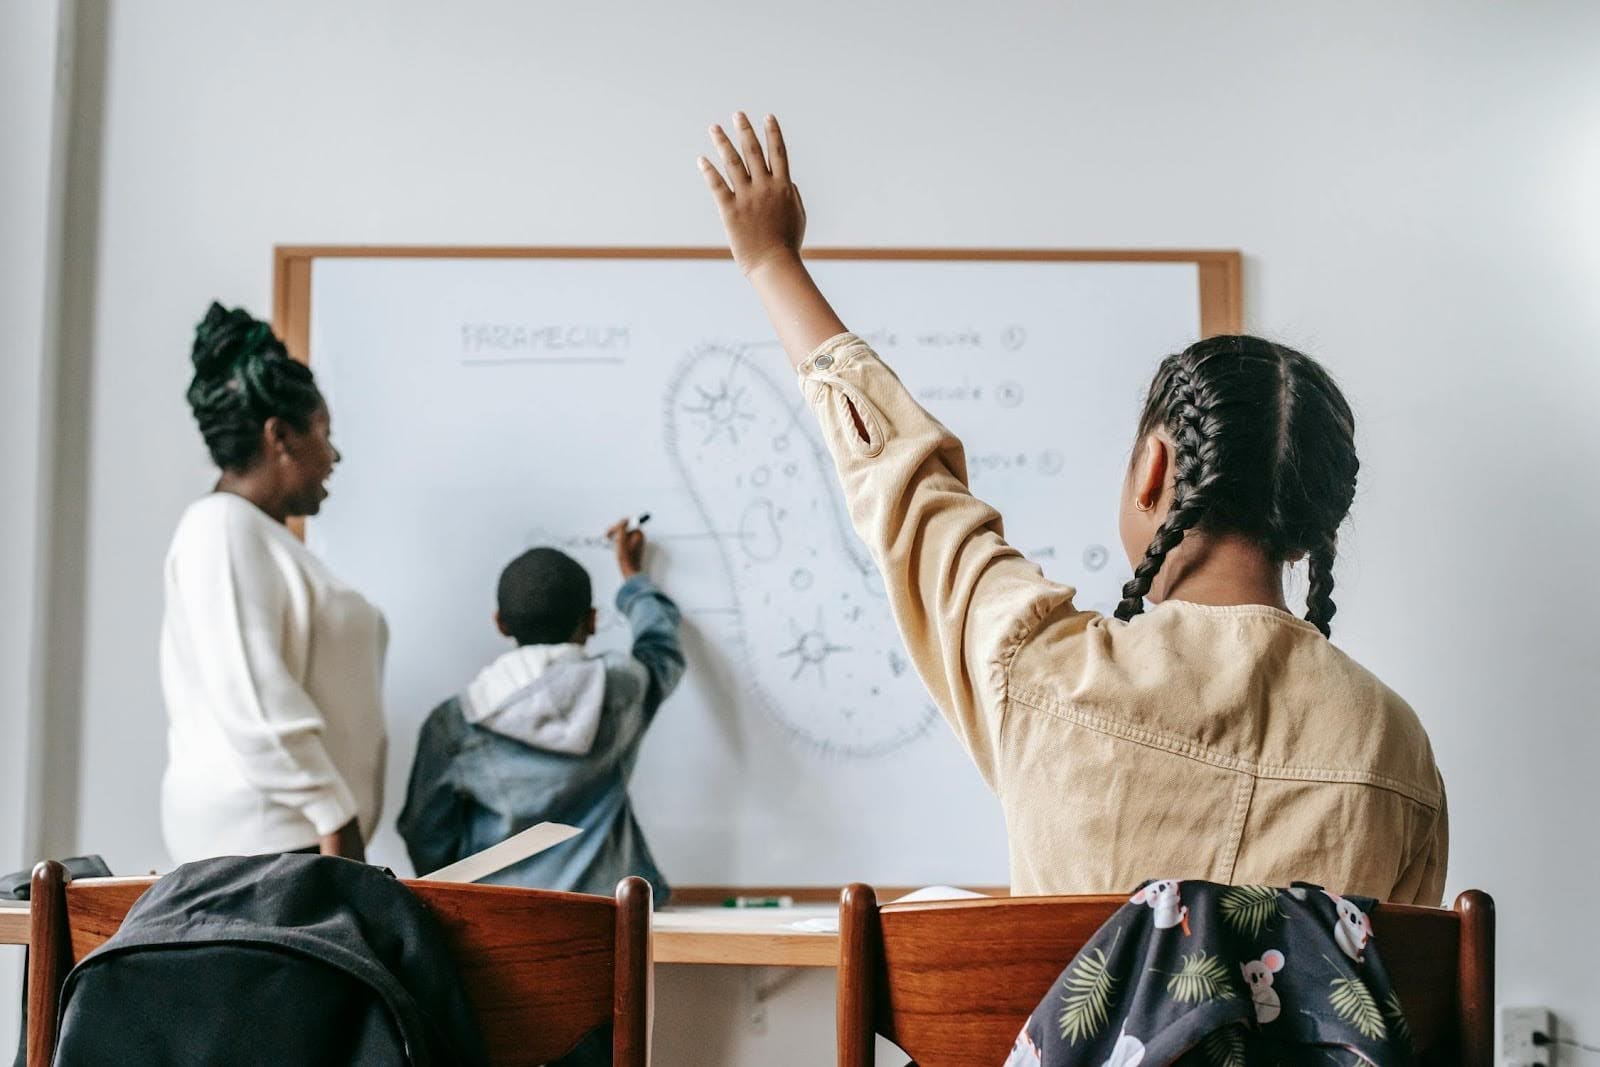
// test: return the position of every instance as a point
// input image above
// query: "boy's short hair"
(544, 595)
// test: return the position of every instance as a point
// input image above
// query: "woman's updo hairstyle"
(1265, 447)
(243, 376)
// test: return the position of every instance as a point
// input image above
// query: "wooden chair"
(952, 982)
(541, 969)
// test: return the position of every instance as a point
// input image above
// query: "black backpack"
(290, 959)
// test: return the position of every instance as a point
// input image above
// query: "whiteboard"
(486, 405)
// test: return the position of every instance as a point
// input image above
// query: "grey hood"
(546, 696)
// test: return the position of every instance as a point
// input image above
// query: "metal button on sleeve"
(822, 362)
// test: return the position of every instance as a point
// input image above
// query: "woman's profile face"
(308, 458)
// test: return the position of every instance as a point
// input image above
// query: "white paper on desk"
(937, 892)
(530, 842)
(829, 924)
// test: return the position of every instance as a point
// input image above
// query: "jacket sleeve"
(963, 598)
(433, 822)
(244, 603)
(654, 619)
(1423, 880)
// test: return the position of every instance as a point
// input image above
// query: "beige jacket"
(1233, 744)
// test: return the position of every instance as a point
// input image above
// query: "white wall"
(1414, 190)
(35, 53)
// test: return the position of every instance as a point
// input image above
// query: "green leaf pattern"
(1224, 1048)
(1202, 979)
(1091, 994)
(1353, 1002)
(1250, 909)
(1396, 1016)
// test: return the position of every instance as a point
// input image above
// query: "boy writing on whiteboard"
(548, 732)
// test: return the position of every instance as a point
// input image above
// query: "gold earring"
(1143, 505)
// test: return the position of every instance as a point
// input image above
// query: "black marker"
(640, 521)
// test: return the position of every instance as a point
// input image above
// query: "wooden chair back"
(952, 982)
(541, 969)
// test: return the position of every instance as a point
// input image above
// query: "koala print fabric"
(1204, 975)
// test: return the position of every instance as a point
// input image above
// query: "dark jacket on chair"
(270, 960)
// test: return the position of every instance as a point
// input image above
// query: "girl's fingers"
(719, 187)
(737, 174)
(777, 153)
(754, 158)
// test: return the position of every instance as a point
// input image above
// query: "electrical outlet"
(1517, 1027)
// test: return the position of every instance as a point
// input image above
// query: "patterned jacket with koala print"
(1204, 975)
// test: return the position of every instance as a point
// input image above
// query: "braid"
(1319, 597)
(1314, 476)
(1196, 470)
(1166, 539)
(1263, 448)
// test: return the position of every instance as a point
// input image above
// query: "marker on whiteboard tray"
(758, 902)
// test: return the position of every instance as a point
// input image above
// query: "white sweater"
(273, 672)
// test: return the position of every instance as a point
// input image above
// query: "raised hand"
(766, 221)
(761, 208)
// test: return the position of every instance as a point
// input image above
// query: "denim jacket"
(475, 784)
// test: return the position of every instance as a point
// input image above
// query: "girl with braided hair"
(271, 667)
(1212, 736)
(1261, 449)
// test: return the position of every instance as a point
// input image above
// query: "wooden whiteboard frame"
(1221, 293)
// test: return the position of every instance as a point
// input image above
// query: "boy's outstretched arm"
(651, 614)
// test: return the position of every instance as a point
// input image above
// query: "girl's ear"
(1150, 469)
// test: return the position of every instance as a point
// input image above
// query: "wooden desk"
(13, 922)
(748, 937)
(755, 937)
(696, 929)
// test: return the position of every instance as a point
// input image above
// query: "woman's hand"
(345, 841)
(761, 208)
(766, 222)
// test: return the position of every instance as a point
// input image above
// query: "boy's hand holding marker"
(629, 545)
